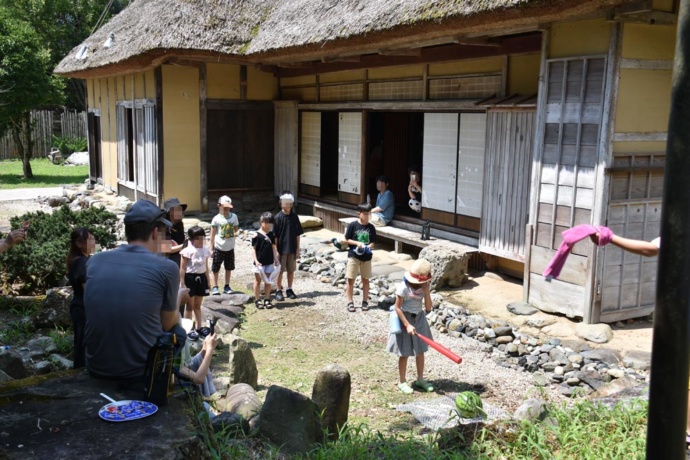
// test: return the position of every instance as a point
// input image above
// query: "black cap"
(146, 211)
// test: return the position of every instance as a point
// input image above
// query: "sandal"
(193, 336)
(365, 306)
(259, 305)
(351, 307)
(405, 388)
(268, 304)
(424, 385)
(203, 332)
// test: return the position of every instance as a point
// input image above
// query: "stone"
(511, 349)
(242, 363)
(61, 362)
(558, 330)
(503, 339)
(331, 392)
(55, 312)
(597, 333)
(290, 420)
(558, 370)
(310, 221)
(540, 322)
(455, 325)
(43, 367)
(572, 381)
(558, 356)
(242, 399)
(615, 386)
(604, 355)
(575, 358)
(40, 346)
(57, 201)
(640, 360)
(591, 378)
(4, 377)
(539, 379)
(616, 373)
(501, 331)
(489, 333)
(521, 308)
(530, 410)
(448, 265)
(225, 421)
(12, 364)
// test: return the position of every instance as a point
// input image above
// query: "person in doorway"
(412, 302)
(81, 245)
(382, 214)
(414, 190)
(131, 295)
(288, 231)
(223, 228)
(360, 237)
(194, 276)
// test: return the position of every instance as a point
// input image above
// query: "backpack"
(158, 375)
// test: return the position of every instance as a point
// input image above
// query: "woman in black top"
(175, 213)
(81, 245)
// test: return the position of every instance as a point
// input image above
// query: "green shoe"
(424, 385)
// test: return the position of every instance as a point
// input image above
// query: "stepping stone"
(382, 270)
(520, 308)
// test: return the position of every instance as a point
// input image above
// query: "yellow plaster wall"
(223, 81)
(181, 135)
(139, 86)
(663, 5)
(345, 75)
(523, 74)
(109, 134)
(642, 41)
(296, 81)
(580, 38)
(486, 65)
(150, 81)
(261, 86)
(396, 72)
(638, 147)
(644, 101)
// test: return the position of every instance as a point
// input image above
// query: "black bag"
(426, 231)
(160, 363)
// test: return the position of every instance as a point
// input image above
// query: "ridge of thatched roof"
(248, 28)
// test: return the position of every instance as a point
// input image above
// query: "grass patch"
(63, 340)
(46, 174)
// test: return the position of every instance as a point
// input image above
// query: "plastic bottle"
(395, 325)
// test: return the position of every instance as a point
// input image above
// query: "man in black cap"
(130, 297)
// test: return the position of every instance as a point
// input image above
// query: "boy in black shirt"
(287, 229)
(360, 236)
(265, 259)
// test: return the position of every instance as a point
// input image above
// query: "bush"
(69, 145)
(38, 263)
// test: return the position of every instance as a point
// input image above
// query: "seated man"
(382, 214)
(130, 297)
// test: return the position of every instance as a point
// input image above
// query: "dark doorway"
(240, 148)
(394, 144)
(95, 161)
(329, 155)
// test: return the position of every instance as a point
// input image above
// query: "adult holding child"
(224, 227)
(288, 231)
(81, 245)
(360, 236)
(130, 297)
(383, 212)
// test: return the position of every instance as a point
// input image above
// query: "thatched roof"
(264, 30)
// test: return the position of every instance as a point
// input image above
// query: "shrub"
(38, 263)
(69, 145)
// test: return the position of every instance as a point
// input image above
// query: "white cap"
(225, 202)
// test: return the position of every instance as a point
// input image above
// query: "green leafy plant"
(63, 340)
(38, 263)
(69, 145)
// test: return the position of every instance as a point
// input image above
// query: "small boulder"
(310, 221)
(40, 346)
(331, 392)
(11, 363)
(226, 421)
(55, 312)
(531, 410)
(640, 360)
(603, 355)
(242, 399)
(242, 363)
(448, 265)
(61, 362)
(597, 333)
(290, 420)
(558, 330)
(521, 308)
(615, 386)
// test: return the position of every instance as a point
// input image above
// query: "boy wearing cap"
(360, 236)
(224, 226)
(130, 297)
(287, 229)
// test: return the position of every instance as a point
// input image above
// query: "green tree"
(26, 81)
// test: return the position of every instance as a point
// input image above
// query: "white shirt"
(196, 258)
(412, 298)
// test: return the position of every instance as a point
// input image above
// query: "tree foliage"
(39, 262)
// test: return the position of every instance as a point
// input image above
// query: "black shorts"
(197, 284)
(227, 258)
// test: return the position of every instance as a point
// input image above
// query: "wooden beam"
(203, 139)
(341, 59)
(646, 64)
(480, 41)
(243, 82)
(158, 81)
(401, 52)
(640, 137)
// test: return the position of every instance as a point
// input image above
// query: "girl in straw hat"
(412, 300)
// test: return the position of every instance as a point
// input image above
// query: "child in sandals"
(194, 276)
(266, 259)
(412, 302)
(360, 236)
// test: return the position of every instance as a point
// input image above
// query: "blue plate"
(124, 411)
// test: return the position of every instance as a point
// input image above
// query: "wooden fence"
(69, 123)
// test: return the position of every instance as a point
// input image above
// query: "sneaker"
(215, 291)
(405, 388)
(279, 295)
(193, 336)
(290, 294)
(227, 290)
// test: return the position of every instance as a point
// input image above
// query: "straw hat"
(419, 272)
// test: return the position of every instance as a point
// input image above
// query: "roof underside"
(282, 31)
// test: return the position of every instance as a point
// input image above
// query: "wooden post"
(158, 81)
(203, 178)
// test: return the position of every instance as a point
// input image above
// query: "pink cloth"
(570, 237)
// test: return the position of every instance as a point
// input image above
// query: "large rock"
(613, 387)
(11, 363)
(242, 363)
(603, 355)
(448, 265)
(291, 420)
(331, 393)
(597, 333)
(310, 221)
(641, 360)
(242, 399)
(40, 346)
(531, 410)
(55, 311)
(225, 421)
(558, 330)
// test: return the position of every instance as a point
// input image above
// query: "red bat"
(441, 349)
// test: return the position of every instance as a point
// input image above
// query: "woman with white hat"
(412, 300)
